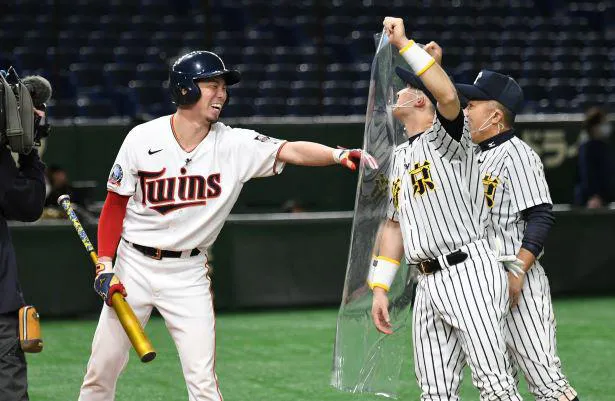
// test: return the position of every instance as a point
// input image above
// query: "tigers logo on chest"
(421, 178)
(395, 188)
(491, 184)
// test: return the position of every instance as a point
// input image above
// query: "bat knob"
(62, 198)
(148, 357)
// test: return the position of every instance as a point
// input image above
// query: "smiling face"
(213, 96)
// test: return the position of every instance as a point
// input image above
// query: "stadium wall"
(289, 260)
(555, 138)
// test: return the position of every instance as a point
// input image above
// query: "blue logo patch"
(116, 175)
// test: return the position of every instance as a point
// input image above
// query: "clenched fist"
(434, 50)
(395, 31)
(350, 158)
(107, 283)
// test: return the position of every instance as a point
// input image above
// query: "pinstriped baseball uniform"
(514, 180)
(460, 310)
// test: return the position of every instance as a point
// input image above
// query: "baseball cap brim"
(471, 92)
(411, 79)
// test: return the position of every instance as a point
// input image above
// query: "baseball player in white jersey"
(520, 215)
(174, 182)
(435, 220)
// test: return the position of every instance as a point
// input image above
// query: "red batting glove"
(350, 158)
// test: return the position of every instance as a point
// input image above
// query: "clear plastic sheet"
(366, 361)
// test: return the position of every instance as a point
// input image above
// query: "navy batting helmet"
(193, 67)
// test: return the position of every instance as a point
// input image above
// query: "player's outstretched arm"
(314, 154)
(426, 67)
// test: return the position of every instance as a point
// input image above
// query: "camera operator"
(22, 196)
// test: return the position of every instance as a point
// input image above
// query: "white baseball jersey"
(514, 180)
(436, 193)
(180, 200)
(459, 311)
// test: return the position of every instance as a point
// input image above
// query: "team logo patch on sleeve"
(265, 138)
(116, 175)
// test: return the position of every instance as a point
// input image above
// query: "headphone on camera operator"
(23, 120)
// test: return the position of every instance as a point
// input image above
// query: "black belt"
(158, 254)
(433, 265)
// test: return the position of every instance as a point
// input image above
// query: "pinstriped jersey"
(436, 192)
(513, 180)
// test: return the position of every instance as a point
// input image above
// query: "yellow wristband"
(388, 259)
(406, 47)
(379, 285)
(383, 272)
(418, 73)
(418, 59)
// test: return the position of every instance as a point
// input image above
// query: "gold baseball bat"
(124, 312)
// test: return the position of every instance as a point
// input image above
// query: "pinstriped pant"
(530, 337)
(459, 317)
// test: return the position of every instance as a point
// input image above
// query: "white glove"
(513, 264)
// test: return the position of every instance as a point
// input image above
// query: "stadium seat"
(270, 107)
(95, 108)
(273, 88)
(148, 92)
(155, 73)
(86, 74)
(302, 106)
(118, 74)
(306, 48)
(335, 106)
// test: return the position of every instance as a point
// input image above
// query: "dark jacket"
(22, 196)
(594, 170)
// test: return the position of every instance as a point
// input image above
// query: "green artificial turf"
(287, 356)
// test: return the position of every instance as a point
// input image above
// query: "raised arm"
(425, 66)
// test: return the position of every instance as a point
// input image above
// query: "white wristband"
(372, 269)
(337, 155)
(384, 272)
(105, 266)
(418, 59)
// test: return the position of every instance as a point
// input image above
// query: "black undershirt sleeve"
(455, 127)
(539, 220)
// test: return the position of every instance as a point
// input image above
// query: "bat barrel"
(133, 329)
